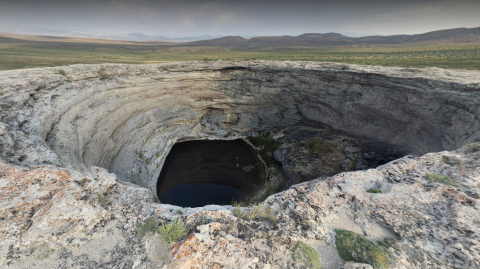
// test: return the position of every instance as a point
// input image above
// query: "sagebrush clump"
(173, 231)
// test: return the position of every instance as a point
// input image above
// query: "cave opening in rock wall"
(205, 172)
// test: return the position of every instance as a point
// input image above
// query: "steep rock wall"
(127, 117)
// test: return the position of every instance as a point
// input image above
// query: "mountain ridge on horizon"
(133, 36)
(445, 36)
(331, 39)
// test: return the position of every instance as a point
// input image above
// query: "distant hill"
(450, 36)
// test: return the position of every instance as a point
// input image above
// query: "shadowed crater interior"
(205, 172)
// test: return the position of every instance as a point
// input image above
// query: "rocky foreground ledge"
(82, 147)
(425, 210)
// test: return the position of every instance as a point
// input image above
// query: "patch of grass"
(442, 179)
(314, 144)
(472, 147)
(268, 191)
(61, 72)
(276, 169)
(267, 146)
(256, 212)
(239, 212)
(353, 164)
(172, 232)
(22, 158)
(155, 199)
(149, 226)
(306, 254)
(101, 198)
(1, 93)
(68, 81)
(451, 160)
(179, 211)
(374, 191)
(5, 106)
(270, 216)
(104, 77)
(355, 247)
(271, 190)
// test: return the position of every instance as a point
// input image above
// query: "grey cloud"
(220, 17)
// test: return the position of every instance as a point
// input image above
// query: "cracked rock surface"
(57, 218)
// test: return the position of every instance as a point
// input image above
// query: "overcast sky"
(174, 18)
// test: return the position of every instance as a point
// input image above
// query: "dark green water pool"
(206, 172)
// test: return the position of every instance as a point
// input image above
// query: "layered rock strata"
(125, 118)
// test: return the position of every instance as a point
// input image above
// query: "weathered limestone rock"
(58, 218)
(59, 209)
(126, 117)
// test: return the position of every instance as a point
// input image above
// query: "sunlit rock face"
(127, 117)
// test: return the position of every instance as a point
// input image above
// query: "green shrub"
(267, 147)
(472, 147)
(355, 247)
(268, 191)
(148, 227)
(172, 232)
(442, 179)
(374, 191)
(354, 162)
(451, 160)
(237, 209)
(303, 252)
(270, 216)
(256, 211)
(61, 72)
(238, 212)
(276, 169)
(314, 144)
(68, 81)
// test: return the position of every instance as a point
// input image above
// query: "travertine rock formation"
(125, 118)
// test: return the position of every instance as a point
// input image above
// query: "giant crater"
(126, 118)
